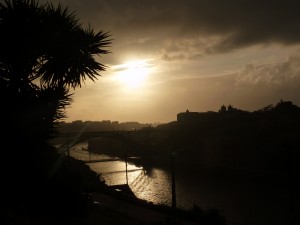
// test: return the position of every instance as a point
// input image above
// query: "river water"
(153, 186)
(242, 200)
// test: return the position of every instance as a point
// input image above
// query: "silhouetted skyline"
(189, 54)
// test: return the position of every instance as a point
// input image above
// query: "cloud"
(241, 22)
(228, 25)
(282, 73)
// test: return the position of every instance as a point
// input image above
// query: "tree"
(45, 53)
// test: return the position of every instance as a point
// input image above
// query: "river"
(243, 200)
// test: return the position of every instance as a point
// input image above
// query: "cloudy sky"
(168, 56)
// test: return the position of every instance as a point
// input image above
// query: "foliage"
(45, 53)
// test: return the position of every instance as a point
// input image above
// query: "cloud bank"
(225, 25)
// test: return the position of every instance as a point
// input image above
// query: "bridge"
(88, 158)
(141, 181)
(73, 138)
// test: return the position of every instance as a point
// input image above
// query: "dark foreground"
(112, 207)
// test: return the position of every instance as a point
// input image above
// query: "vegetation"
(45, 53)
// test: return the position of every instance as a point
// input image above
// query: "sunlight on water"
(114, 172)
(227, 194)
(153, 186)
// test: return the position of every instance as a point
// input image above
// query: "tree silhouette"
(44, 53)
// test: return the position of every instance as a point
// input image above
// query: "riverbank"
(108, 206)
(148, 213)
(243, 195)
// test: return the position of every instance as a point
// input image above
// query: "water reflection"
(151, 185)
(238, 196)
(154, 186)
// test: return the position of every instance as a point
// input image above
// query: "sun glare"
(133, 74)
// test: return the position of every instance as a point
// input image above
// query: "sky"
(168, 56)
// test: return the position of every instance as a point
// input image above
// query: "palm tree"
(44, 53)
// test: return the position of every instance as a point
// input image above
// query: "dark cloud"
(235, 23)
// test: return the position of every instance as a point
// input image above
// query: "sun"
(133, 74)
